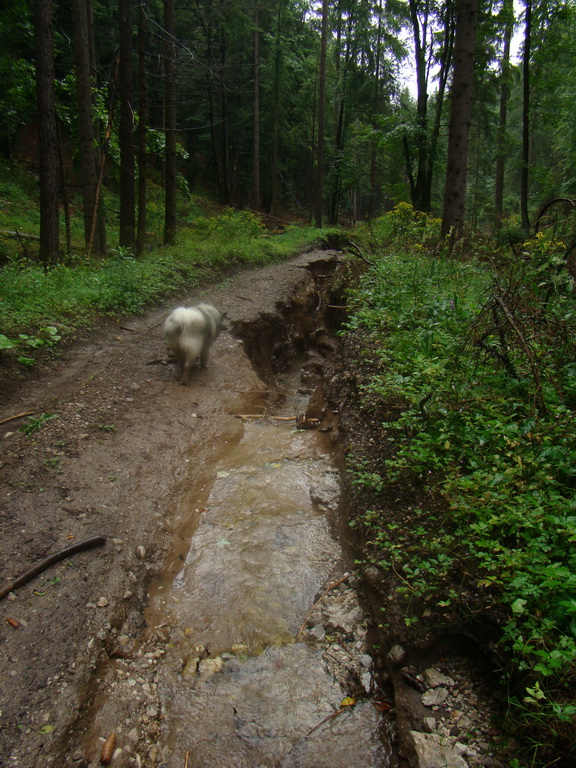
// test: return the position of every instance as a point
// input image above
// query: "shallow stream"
(242, 683)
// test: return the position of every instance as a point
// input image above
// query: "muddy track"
(98, 645)
(119, 459)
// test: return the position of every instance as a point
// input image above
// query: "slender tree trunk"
(47, 133)
(417, 192)
(256, 195)
(319, 185)
(508, 11)
(88, 165)
(170, 125)
(376, 111)
(526, 119)
(460, 118)
(142, 132)
(99, 214)
(342, 72)
(225, 149)
(127, 192)
(276, 112)
(445, 65)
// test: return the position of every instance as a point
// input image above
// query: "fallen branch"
(18, 235)
(18, 416)
(356, 249)
(322, 596)
(333, 716)
(264, 416)
(93, 541)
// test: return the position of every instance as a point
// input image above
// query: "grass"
(478, 357)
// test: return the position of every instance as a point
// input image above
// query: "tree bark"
(126, 87)
(142, 132)
(524, 178)
(445, 66)
(87, 153)
(508, 11)
(256, 195)
(276, 112)
(170, 125)
(417, 190)
(460, 118)
(47, 133)
(319, 180)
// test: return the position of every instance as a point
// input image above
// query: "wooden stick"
(326, 719)
(93, 541)
(18, 416)
(263, 416)
(322, 596)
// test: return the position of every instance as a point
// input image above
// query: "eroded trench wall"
(304, 323)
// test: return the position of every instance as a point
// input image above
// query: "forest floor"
(115, 447)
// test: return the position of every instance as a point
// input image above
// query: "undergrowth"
(481, 356)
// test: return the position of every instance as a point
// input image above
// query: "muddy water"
(238, 687)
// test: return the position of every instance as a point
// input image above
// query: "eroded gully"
(232, 667)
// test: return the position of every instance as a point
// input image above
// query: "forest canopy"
(291, 108)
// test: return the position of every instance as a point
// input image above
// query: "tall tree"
(460, 117)
(526, 117)
(47, 134)
(508, 19)
(319, 179)
(433, 27)
(256, 195)
(126, 88)
(88, 158)
(142, 131)
(169, 124)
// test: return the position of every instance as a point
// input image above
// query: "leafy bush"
(483, 366)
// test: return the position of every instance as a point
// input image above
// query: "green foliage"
(483, 365)
(36, 423)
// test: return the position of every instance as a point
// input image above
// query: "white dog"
(189, 332)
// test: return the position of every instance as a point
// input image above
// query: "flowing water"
(238, 685)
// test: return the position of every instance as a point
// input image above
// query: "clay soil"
(124, 443)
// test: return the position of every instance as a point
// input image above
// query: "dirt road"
(117, 448)
(186, 639)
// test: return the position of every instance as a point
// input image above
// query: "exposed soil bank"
(130, 453)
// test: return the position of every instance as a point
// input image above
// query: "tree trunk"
(256, 196)
(319, 181)
(47, 133)
(225, 149)
(170, 125)
(127, 193)
(460, 118)
(276, 111)
(508, 11)
(417, 191)
(445, 65)
(87, 153)
(376, 111)
(526, 119)
(142, 132)
(99, 218)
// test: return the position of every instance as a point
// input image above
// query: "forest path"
(180, 635)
